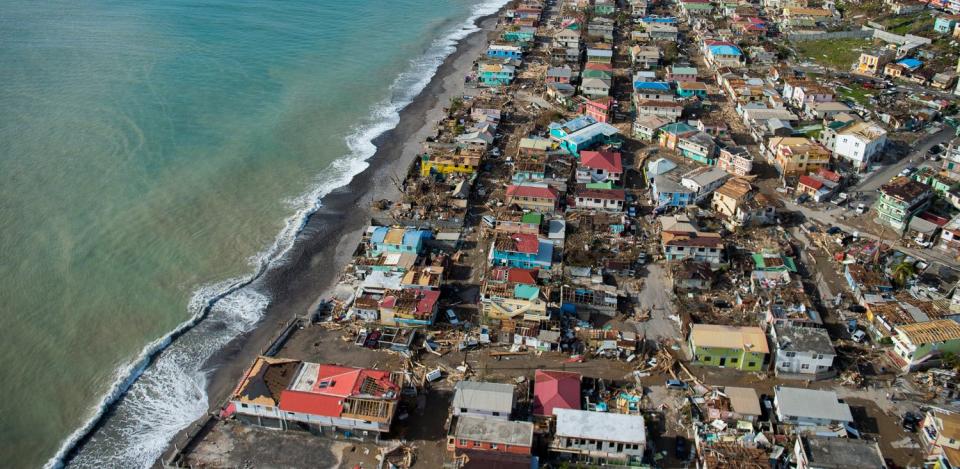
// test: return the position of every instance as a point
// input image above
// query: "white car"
(862, 208)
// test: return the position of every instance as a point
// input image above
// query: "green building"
(741, 348)
(901, 199)
(920, 344)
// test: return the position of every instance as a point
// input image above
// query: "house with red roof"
(816, 187)
(526, 251)
(599, 166)
(555, 390)
(283, 393)
(409, 307)
(534, 196)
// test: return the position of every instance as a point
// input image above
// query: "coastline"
(335, 229)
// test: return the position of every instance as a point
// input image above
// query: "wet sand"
(330, 236)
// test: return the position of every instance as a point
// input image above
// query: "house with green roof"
(769, 260)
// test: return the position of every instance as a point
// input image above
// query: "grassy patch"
(835, 53)
(912, 23)
(857, 93)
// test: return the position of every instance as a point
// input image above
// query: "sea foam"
(164, 389)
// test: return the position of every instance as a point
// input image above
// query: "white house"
(567, 39)
(807, 409)
(859, 143)
(483, 399)
(595, 87)
(804, 351)
(610, 200)
(704, 180)
(599, 437)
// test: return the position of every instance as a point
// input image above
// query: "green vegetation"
(857, 93)
(835, 53)
(913, 23)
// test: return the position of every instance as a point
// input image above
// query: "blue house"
(409, 240)
(503, 51)
(945, 24)
(660, 19)
(583, 133)
(669, 193)
(521, 250)
(522, 35)
(689, 89)
(651, 86)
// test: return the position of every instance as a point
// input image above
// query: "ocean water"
(156, 156)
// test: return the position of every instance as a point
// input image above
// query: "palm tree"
(902, 272)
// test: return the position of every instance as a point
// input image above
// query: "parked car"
(676, 384)
(859, 336)
(833, 230)
(452, 318)
(862, 208)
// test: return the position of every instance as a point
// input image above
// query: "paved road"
(829, 218)
(917, 156)
(657, 296)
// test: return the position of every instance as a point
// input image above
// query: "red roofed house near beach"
(533, 196)
(555, 390)
(279, 393)
(599, 166)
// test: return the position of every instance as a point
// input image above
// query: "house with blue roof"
(398, 240)
(659, 19)
(721, 54)
(671, 134)
(910, 64)
(903, 66)
(583, 133)
(658, 167)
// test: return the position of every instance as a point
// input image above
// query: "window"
(734, 360)
(805, 367)
(269, 409)
(706, 359)
(496, 414)
(819, 356)
(752, 364)
(463, 409)
(244, 406)
(463, 442)
(493, 446)
(790, 354)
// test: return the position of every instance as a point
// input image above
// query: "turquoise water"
(151, 153)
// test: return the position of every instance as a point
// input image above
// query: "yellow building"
(728, 197)
(447, 164)
(797, 156)
(516, 309)
(872, 62)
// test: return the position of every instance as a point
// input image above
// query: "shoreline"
(296, 286)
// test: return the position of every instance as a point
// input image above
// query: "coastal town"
(647, 233)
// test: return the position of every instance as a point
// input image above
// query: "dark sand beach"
(328, 240)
